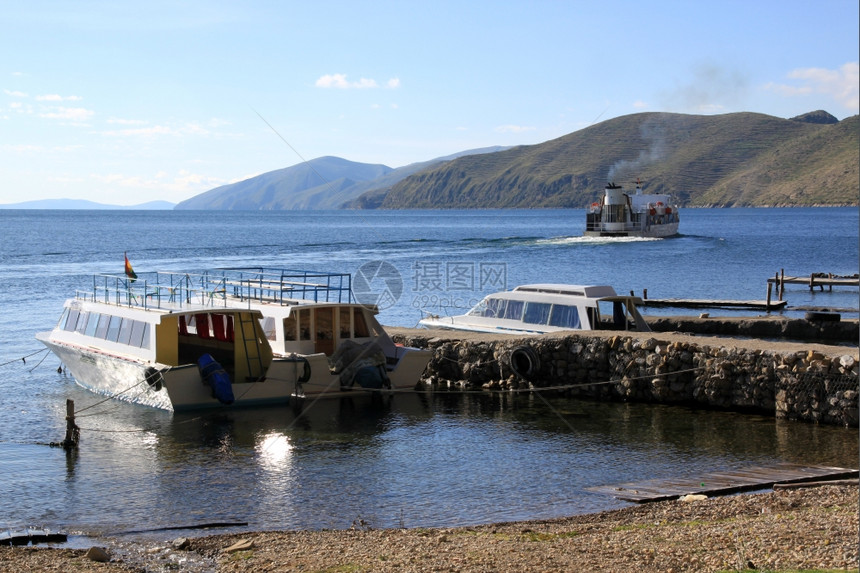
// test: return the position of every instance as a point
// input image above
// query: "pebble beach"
(779, 530)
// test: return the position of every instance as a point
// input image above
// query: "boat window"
(360, 327)
(495, 308)
(81, 327)
(191, 325)
(268, 324)
(514, 310)
(536, 312)
(144, 341)
(113, 328)
(125, 331)
(290, 327)
(304, 324)
(325, 328)
(92, 323)
(564, 316)
(72, 320)
(344, 315)
(104, 322)
(137, 329)
(63, 319)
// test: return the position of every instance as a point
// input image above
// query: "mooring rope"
(25, 357)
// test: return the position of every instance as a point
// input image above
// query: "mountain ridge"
(740, 159)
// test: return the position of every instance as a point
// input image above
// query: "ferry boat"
(543, 308)
(179, 341)
(620, 214)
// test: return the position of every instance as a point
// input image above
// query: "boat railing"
(156, 290)
(285, 286)
(219, 288)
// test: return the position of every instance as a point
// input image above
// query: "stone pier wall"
(789, 382)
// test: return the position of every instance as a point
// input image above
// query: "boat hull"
(655, 232)
(158, 386)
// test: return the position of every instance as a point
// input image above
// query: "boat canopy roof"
(589, 291)
(174, 292)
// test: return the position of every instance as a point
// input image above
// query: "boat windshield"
(499, 308)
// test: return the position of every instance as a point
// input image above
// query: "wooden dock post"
(781, 283)
(73, 433)
(769, 288)
(645, 293)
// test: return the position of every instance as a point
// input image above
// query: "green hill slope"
(724, 160)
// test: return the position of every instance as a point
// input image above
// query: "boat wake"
(595, 240)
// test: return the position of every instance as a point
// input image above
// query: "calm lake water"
(416, 460)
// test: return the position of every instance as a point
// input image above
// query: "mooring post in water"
(781, 283)
(769, 288)
(73, 433)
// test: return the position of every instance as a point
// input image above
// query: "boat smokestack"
(614, 195)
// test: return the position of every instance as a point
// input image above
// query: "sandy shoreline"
(815, 527)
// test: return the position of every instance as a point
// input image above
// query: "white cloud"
(639, 104)
(14, 93)
(76, 114)
(23, 148)
(184, 182)
(339, 81)
(155, 130)
(513, 129)
(126, 121)
(840, 84)
(56, 97)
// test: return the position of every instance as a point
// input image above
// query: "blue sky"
(127, 102)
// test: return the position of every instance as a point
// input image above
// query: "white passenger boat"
(542, 308)
(182, 341)
(620, 214)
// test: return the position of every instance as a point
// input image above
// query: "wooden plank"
(723, 482)
(817, 280)
(708, 303)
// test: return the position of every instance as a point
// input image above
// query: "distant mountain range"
(736, 159)
(82, 204)
(322, 183)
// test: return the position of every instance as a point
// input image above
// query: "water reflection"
(274, 451)
(414, 460)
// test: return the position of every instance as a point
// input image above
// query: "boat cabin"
(541, 308)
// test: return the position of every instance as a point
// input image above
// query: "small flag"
(128, 270)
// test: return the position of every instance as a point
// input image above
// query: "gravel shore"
(804, 528)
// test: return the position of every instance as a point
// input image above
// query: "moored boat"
(543, 308)
(619, 214)
(181, 341)
(314, 315)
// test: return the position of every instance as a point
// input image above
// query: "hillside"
(738, 159)
(322, 183)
